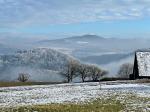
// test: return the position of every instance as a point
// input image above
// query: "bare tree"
(70, 70)
(83, 71)
(104, 73)
(125, 70)
(23, 77)
(96, 73)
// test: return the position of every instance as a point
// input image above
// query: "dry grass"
(11, 84)
(109, 105)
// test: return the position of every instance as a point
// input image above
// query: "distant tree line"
(85, 71)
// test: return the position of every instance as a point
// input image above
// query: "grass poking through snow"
(98, 105)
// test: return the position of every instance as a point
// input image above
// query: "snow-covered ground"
(61, 93)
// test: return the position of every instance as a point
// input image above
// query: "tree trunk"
(83, 79)
(68, 80)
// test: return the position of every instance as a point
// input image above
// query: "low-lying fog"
(108, 53)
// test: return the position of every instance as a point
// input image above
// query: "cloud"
(18, 13)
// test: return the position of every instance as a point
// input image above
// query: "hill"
(37, 62)
(88, 48)
(106, 52)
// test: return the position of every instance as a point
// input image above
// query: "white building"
(141, 67)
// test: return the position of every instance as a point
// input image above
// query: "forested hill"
(42, 63)
(38, 58)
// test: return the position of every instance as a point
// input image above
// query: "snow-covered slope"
(37, 62)
(45, 94)
(40, 57)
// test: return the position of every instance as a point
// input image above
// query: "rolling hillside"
(40, 63)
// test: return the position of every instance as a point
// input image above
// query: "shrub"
(23, 77)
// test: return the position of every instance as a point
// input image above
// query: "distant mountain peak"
(91, 35)
(85, 37)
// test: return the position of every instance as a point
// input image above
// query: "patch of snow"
(82, 42)
(60, 93)
(123, 86)
(143, 59)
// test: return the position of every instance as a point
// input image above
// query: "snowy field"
(64, 93)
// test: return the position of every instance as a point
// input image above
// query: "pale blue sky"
(110, 18)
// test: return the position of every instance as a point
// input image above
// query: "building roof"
(143, 50)
(143, 62)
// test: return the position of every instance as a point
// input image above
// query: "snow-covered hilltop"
(35, 61)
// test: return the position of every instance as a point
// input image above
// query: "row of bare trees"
(74, 69)
(85, 71)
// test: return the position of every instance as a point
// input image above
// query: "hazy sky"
(122, 18)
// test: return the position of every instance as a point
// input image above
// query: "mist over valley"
(28, 54)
